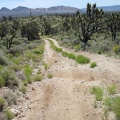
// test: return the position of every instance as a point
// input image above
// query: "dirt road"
(67, 96)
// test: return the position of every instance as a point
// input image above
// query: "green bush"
(9, 77)
(2, 102)
(17, 50)
(77, 47)
(46, 66)
(98, 92)
(112, 89)
(3, 59)
(23, 89)
(27, 70)
(116, 49)
(38, 78)
(50, 75)
(65, 54)
(9, 114)
(113, 103)
(2, 82)
(71, 56)
(82, 59)
(93, 64)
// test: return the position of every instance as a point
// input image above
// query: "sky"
(48, 3)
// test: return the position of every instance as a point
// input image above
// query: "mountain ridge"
(22, 11)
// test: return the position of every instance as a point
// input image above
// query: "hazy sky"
(48, 3)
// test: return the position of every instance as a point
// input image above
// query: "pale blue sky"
(48, 3)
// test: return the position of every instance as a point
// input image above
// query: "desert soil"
(67, 96)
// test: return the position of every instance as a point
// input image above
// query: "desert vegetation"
(22, 52)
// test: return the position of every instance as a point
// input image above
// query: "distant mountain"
(24, 11)
(114, 8)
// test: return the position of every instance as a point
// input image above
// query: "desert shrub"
(9, 77)
(93, 64)
(2, 102)
(9, 114)
(28, 79)
(3, 59)
(77, 47)
(10, 97)
(82, 59)
(50, 75)
(65, 54)
(16, 50)
(25, 82)
(116, 49)
(32, 46)
(98, 92)
(27, 70)
(38, 51)
(112, 89)
(113, 103)
(30, 55)
(23, 89)
(71, 56)
(38, 78)
(2, 81)
(46, 66)
(3, 116)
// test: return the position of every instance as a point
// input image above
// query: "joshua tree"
(90, 23)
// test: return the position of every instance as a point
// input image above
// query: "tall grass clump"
(112, 89)
(82, 59)
(9, 114)
(98, 92)
(113, 104)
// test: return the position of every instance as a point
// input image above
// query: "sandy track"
(67, 95)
